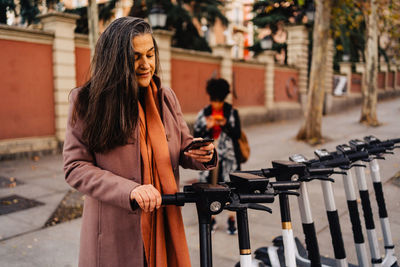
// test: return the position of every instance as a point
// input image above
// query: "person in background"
(124, 142)
(220, 121)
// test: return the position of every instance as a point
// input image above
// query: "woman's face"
(145, 58)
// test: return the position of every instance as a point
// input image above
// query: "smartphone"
(195, 144)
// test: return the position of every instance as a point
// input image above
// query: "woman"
(220, 121)
(124, 141)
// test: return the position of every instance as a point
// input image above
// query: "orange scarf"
(162, 230)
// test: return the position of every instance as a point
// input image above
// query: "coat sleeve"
(82, 173)
(186, 139)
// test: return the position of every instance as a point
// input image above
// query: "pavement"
(35, 187)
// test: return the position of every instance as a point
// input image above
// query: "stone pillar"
(267, 57)
(345, 68)
(224, 51)
(63, 26)
(329, 76)
(297, 55)
(360, 67)
(163, 39)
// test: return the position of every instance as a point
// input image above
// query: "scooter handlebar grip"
(283, 186)
(178, 199)
(376, 150)
(169, 199)
(320, 171)
(358, 156)
(165, 200)
(333, 163)
(396, 140)
(256, 198)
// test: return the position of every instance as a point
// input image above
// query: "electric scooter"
(211, 200)
(275, 255)
(376, 147)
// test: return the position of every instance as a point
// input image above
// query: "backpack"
(243, 147)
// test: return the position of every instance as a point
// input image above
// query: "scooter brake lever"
(345, 167)
(367, 160)
(389, 152)
(358, 165)
(379, 157)
(255, 206)
(338, 172)
(323, 178)
(235, 205)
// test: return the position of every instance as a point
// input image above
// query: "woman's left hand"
(202, 154)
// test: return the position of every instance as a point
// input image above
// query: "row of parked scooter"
(251, 189)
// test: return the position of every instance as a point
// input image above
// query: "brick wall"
(356, 82)
(26, 95)
(189, 75)
(286, 85)
(249, 84)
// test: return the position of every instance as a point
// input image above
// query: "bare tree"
(93, 23)
(311, 128)
(370, 77)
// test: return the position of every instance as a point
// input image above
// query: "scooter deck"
(262, 254)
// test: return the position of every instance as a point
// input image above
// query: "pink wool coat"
(111, 232)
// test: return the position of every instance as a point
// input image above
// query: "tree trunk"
(93, 24)
(311, 128)
(370, 77)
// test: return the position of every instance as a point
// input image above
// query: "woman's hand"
(202, 154)
(147, 197)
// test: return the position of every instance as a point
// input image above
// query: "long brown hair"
(108, 103)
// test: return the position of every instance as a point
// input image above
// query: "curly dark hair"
(217, 89)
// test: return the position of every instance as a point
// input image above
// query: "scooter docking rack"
(312, 257)
(377, 148)
(353, 155)
(247, 188)
(326, 159)
(287, 172)
(374, 147)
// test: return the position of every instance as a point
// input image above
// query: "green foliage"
(105, 14)
(348, 28)
(29, 10)
(82, 23)
(208, 9)
(180, 19)
(5, 5)
(270, 12)
(180, 15)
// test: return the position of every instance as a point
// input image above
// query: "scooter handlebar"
(395, 140)
(177, 199)
(359, 155)
(256, 198)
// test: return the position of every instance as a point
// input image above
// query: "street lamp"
(310, 13)
(157, 17)
(266, 43)
(346, 57)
